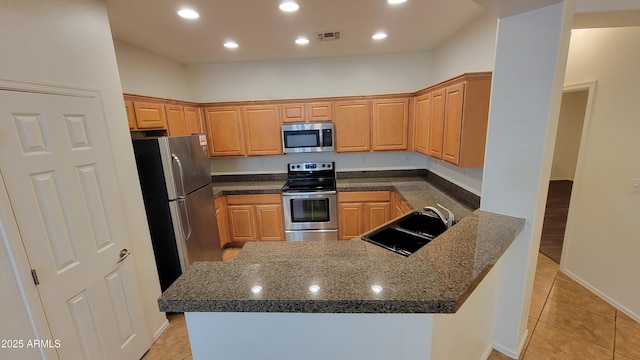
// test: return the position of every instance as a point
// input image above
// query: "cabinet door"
(224, 131)
(436, 132)
(194, 123)
(149, 115)
(390, 120)
(376, 214)
(349, 220)
(293, 112)
(223, 220)
(262, 130)
(320, 111)
(270, 222)
(352, 126)
(421, 125)
(242, 223)
(131, 115)
(454, 96)
(176, 121)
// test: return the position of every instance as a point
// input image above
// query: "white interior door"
(57, 164)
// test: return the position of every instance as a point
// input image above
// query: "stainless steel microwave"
(307, 137)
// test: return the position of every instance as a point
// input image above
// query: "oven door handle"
(311, 193)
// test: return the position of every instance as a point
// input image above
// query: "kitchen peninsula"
(351, 299)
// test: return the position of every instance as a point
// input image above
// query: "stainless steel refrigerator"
(176, 188)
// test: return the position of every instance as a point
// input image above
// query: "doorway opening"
(573, 111)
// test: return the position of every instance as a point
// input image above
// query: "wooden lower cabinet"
(359, 212)
(400, 206)
(255, 217)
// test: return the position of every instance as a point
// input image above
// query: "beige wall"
(68, 43)
(471, 49)
(293, 79)
(602, 242)
(565, 155)
(145, 73)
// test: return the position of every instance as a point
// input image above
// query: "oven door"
(310, 210)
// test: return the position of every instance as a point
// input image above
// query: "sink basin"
(397, 240)
(407, 234)
(423, 224)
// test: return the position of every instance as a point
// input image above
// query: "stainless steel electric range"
(310, 202)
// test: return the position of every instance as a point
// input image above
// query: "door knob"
(123, 255)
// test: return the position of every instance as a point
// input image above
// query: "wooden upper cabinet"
(131, 115)
(459, 117)
(193, 120)
(224, 131)
(262, 130)
(293, 113)
(176, 120)
(320, 111)
(390, 122)
(421, 124)
(436, 132)
(149, 115)
(307, 112)
(452, 123)
(352, 126)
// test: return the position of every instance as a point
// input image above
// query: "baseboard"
(162, 328)
(509, 352)
(601, 295)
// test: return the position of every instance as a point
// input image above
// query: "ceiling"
(266, 33)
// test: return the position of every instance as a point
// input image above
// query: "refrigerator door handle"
(176, 159)
(184, 218)
(182, 207)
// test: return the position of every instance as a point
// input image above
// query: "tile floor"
(566, 322)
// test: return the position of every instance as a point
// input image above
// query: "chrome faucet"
(448, 221)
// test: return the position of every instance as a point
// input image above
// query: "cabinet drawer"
(251, 199)
(364, 196)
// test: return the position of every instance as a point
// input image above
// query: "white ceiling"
(265, 33)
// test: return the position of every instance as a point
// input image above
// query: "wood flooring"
(555, 219)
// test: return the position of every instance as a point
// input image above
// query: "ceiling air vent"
(328, 36)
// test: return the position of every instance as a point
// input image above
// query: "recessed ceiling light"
(302, 41)
(395, 2)
(379, 36)
(231, 44)
(188, 14)
(289, 6)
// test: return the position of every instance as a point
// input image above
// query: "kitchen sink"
(407, 234)
(423, 224)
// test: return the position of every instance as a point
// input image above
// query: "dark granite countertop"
(352, 276)
(414, 189)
